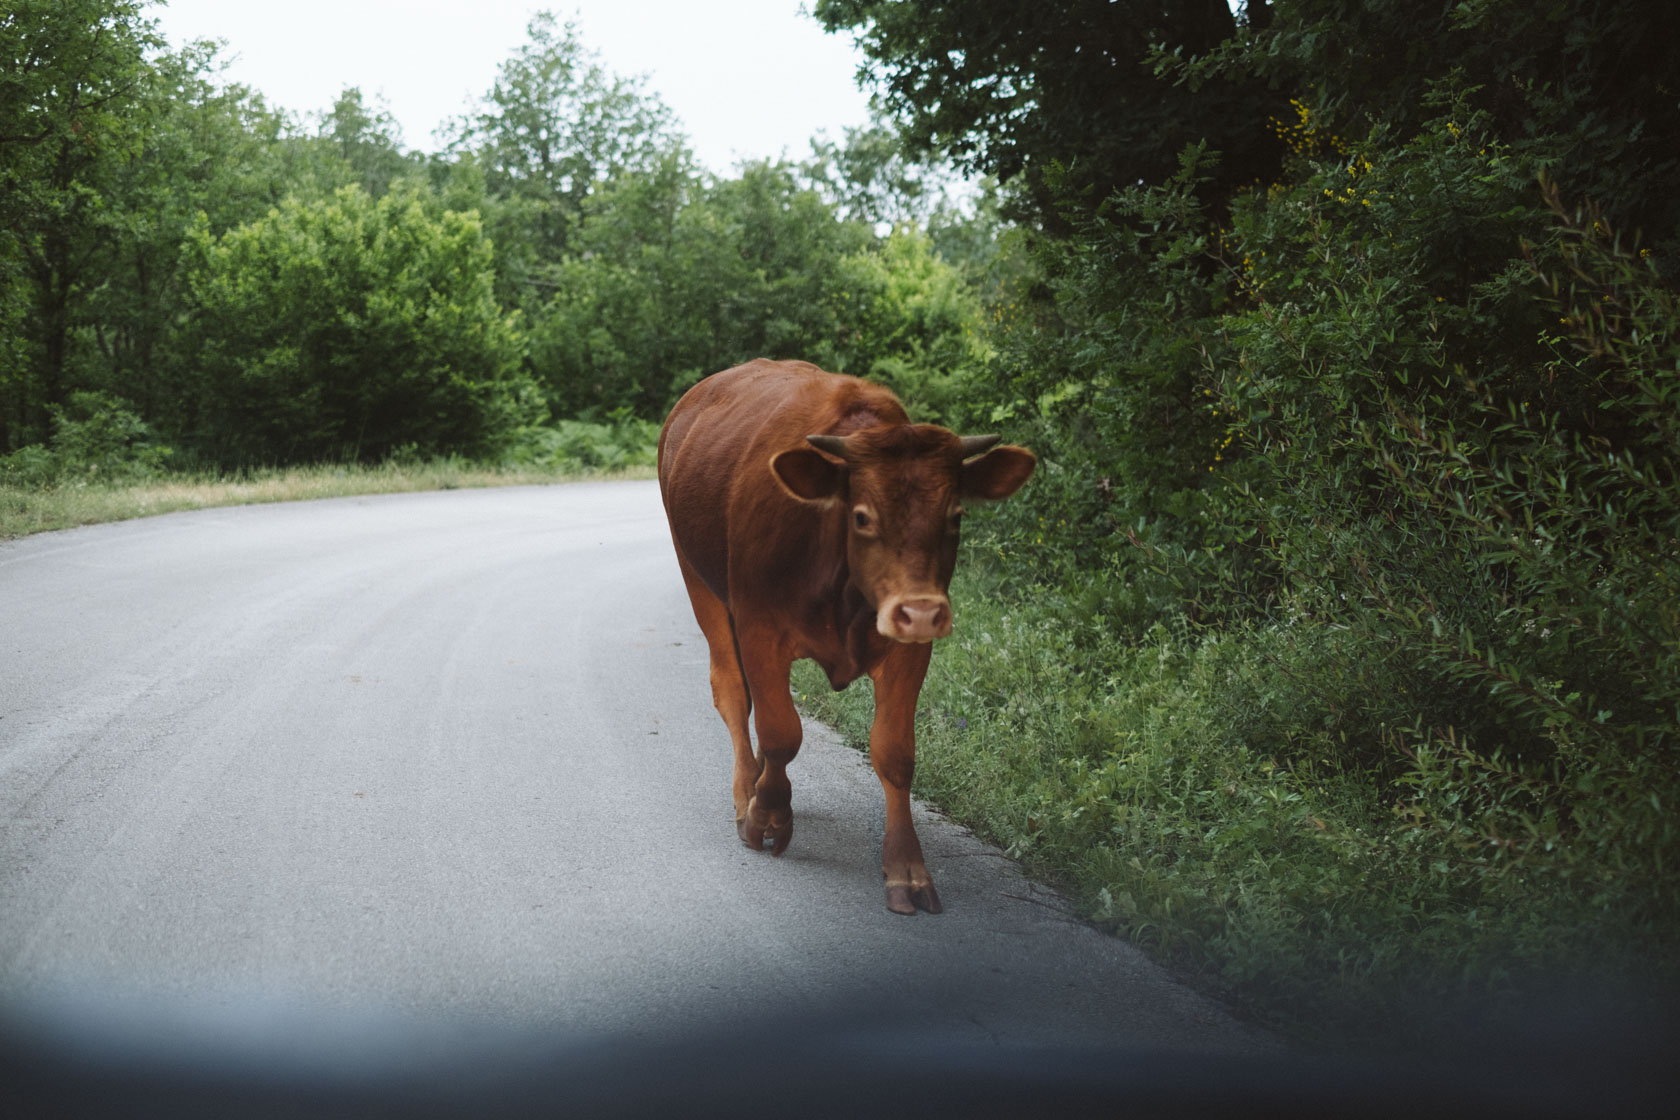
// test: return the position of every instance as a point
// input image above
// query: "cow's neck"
(860, 646)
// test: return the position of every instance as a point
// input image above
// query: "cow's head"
(902, 491)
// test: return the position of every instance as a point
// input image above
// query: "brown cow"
(812, 519)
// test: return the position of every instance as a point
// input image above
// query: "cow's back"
(715, 452)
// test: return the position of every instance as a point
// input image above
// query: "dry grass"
(26, 510)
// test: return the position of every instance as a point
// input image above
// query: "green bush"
(621, 441)
(344, 328)
(96, 437)
(913, 322)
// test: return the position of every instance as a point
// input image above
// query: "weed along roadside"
(103, 465)
(25, 510)
(1299, 889)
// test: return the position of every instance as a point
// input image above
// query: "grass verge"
(65, 505)
(1150, 781)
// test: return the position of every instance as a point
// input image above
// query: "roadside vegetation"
(33, 508)
(102, 463)
(1333, 654)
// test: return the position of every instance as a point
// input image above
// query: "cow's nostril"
(920, 620)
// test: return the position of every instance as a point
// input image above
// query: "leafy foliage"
(677, 277)
(1056, 94)
(269, 290)
(555, 125)
(70, 83)
(621, 441)
(1341, 629)
(347, 328)
(693, 276)
(95, 438)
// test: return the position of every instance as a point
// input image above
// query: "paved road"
(453, 755)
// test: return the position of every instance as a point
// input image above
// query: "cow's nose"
(918, 620)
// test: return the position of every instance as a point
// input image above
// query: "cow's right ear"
(808, 475)
(998, 473)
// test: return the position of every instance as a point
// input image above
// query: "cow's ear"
(998, 473)
(808, 475)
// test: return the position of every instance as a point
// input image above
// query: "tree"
(675, 277)
(345, 328)
(555, 125)
(1059, 95)
(71, 75)
(367, 141)
(871, 177)
(1585, 89)
(622, 319)
(1364, 472)
(208, 149)
(1170, 154)
(914, 322)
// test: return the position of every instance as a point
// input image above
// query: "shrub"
(621, 441)
(343, 328)
(96, 437)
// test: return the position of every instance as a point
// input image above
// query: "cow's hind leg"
(892, 752)
(770, 810)
(730, 694)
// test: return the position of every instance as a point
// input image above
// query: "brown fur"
(842, 556)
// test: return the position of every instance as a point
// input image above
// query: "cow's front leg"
(769, 814)
(892, 751)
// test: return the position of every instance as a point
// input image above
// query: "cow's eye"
(862, 521)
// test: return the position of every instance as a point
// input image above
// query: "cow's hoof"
(907, 898)
(775, 826)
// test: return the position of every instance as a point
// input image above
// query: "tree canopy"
(1059, 95)
(254, 287)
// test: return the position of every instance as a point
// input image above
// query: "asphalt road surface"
(452, 757)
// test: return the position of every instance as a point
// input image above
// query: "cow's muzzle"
(922, 618)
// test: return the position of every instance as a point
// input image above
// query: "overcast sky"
(747, 78)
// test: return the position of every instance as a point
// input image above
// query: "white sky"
(747, 78)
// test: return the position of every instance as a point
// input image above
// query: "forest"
(1334, 653)
(199, 279)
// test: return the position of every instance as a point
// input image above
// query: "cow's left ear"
(998, 473)
(808, 475)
